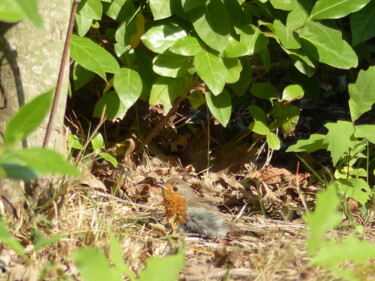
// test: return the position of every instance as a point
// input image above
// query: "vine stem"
(61, 74)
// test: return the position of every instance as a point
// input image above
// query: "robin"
(189, 213)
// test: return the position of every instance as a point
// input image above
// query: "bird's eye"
(175, 188)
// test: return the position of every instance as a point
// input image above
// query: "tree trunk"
(29, 65)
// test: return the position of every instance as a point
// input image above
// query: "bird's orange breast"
(175, 206)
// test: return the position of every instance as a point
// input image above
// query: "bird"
(191, 214)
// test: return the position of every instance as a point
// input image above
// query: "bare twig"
(61, 73)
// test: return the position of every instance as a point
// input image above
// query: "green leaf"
(160, 9)
(46, 241)
(94, 266)
(92, 57)
(188, 5)
(292, 92)
(326, 45)
(362, 93)
(186, 46)
(212, 24)
(91, 9)
(334, 9)
(365, 131)
(27, 119)
(259, 125)
(286, 36)
(10, 11)
(32, 163)
(355, 188)
(234, 68)
(128, 85)
(81, 76)
(114, 108)
(8, 239)
(159, 38)
(212, 70)
(362, 24)
(220, 106)
(302, 61)
(314, 143)
(166, 90)
(286, 116)
(97, 142)
(253, 38)
(243, 83)
(109, 158)
(120, 10)
(30, 9)
(196, 99)
(117, 258)
(273, 141)
(235, 49)
(83, 24)
(340, 139)
(259, 128)
(264, 91)
(74, 142)
(286, 5)
(351, 249)
(324, 218)
(163, 268)
(171, 65)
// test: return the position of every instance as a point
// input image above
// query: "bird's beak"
(160, 184)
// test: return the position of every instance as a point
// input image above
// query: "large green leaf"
(242, 85)
(220, 106)
(112, 105)
(302, 61)
(83, 24)
(334, 9)
(188, 5)
(340, 139)
(362, 93)
(264, 91)
(10, 11)
(91, 9)
(161, 8)
(27, 119)
(351, 249)
(212, 70)
(11, 241)
(326, 45)
(94, 266)
(362, 24)
(253, 38)
(171, 65)
(186, 46)
(237, 15)
(163, 268)
(286, 5)
(128, 85)
(33, 163)
(273, 141)
(365, 131)
(324, 218)
(314, 143)
(259, 125)
(165, 90)
(120, 10)
(81, 76)
(30, 9)
(159, 38)
(212, 24)
(286, 36)
(356, 188)
(92, 57)
(235, 49)
(292, 92)
(234, 67)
